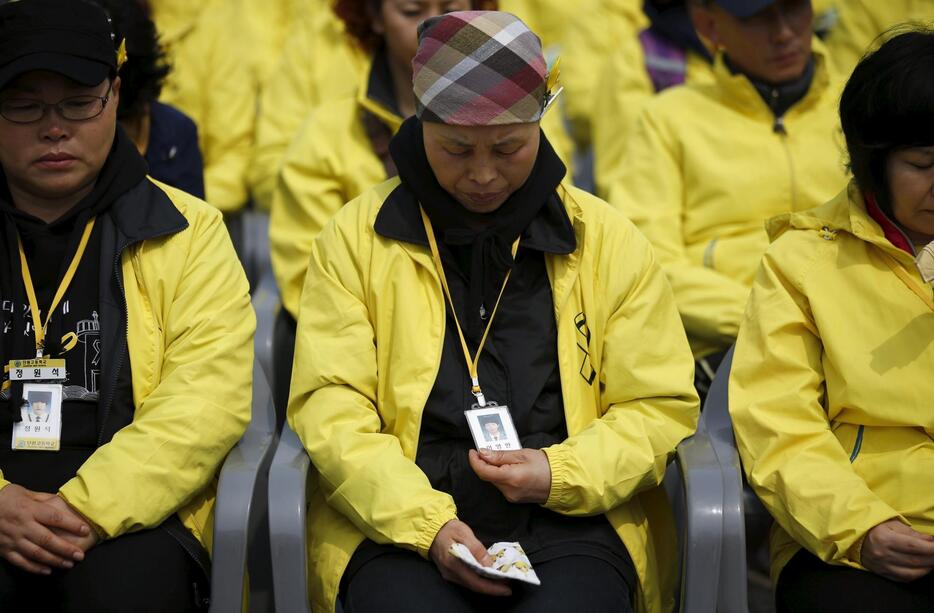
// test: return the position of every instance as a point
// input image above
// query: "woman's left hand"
(522, 476)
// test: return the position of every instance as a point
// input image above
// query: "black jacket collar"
(549, 232)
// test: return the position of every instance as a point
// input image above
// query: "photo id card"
(492, 428)
(41, 425)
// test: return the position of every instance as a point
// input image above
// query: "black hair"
(888, 105)
(146, 68)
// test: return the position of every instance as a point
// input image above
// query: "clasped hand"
(898, 552)
(39, 531)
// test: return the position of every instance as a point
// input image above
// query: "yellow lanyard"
(38, 324)
(473, 363)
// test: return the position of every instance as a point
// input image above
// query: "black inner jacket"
(518, 368)
(49, 249)
(779, 98)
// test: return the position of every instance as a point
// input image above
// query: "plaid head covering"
(479, 68)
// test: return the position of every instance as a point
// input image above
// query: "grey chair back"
(240, 537)
(716, 423)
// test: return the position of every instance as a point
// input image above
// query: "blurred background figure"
(598, 28)
(212, 82)
(861, 21)
(165, 136)
(666, 53)
(707, 164)
(323, 59)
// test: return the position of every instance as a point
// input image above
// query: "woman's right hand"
(898, 552)
(455, 571)
(27, 531)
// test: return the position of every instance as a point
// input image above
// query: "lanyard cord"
(39, 325)
(473, 363)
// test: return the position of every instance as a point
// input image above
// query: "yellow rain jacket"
(861, 21)
(330, 163)
(189, 335)
(214, 85)
(831, 385)
(320, 63)
(617, 103)
(367, 354)
(599, 28)
(706, 167)
(549, 19)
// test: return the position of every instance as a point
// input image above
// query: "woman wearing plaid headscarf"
(477, 277)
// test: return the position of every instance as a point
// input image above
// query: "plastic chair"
(239, 514)
(695, 486)
(266, 304)
(253, 245)
(695, 480)
(740, 504)
(288, 476)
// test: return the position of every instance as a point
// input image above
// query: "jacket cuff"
(559, 497)
(427, 536)
(101, 535)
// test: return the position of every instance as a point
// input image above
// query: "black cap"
(71, 37)
(744, 8)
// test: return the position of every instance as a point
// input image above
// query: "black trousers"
(143, 572)
(403, 581)
(808, 583)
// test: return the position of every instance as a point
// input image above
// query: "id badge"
(41, 425)
(37, 369)
(492, 428)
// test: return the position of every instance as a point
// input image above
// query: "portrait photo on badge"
(492, 428)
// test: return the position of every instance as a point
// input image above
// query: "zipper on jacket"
(112, 387)
(779, 128)
(118, 273)
(858, 445)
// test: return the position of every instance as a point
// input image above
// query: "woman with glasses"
(831, 389)
(124, 317)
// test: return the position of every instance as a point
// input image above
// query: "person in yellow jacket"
(830, 385)
(343, 147)
(860, 23)
(213, 83)
(323, 61)
(666, 53)
(479, 247)
(593, 36)
(127, 301)
(709, 164)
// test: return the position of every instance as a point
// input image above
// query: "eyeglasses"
(73, 108)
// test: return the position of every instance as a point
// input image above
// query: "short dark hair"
(147, 67)
(888, 105)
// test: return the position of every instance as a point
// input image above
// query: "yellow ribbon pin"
(553, 75)
(121, 54)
